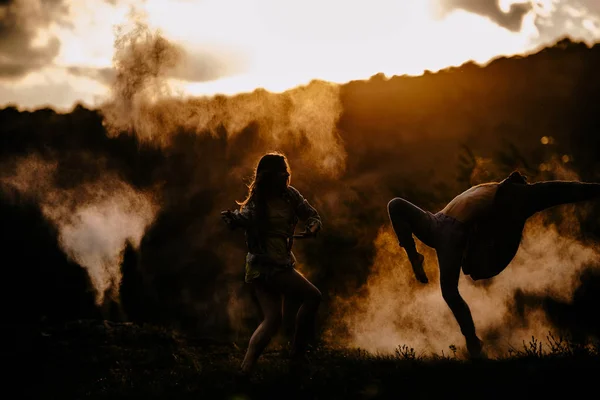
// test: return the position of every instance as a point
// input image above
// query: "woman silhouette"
(269, 215)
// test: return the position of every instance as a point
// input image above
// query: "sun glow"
(278, 45)
(235, 46)
(290, 45)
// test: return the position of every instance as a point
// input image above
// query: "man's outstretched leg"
(542, 195)
(406, 219)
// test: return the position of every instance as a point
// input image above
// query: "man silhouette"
(479, 230)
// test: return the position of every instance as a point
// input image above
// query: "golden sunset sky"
(59, 52)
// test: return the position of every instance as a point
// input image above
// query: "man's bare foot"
(417, 266)
(475, 347)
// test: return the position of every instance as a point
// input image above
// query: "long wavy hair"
(268, 179)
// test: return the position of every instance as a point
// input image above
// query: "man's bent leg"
(408, 219)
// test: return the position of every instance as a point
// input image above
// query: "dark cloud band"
(20, 23)
(511, 20)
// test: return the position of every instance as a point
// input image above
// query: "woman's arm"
(239, 218)
(306, 212)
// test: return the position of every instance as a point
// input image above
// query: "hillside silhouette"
(425, 138)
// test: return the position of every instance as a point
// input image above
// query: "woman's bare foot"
(246, 368)
(417, 265)
(299, 364)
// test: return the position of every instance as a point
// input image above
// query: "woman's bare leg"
(270, 303)
(292, 284)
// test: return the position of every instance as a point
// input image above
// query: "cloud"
(52, 87)
(22, 26)
(577, 19)
(592, 6)
(105, 76)
(511, 20)
(201, 66)
(191, 67)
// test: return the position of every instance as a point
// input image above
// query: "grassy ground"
(95, 359)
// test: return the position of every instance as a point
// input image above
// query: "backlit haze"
(59, 52)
